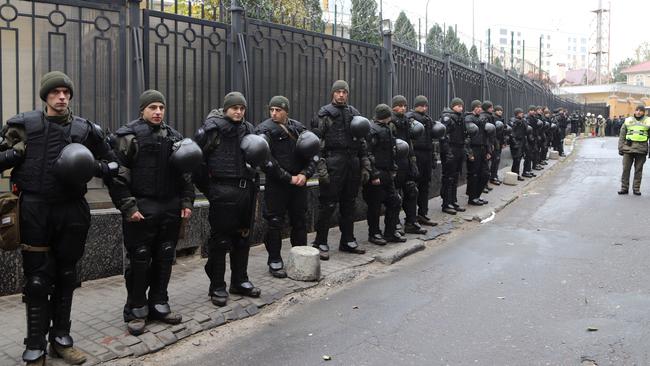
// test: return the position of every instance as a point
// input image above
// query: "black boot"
(276, 269)
(414, 228)
(449, 209)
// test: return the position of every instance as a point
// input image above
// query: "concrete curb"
(397, 253)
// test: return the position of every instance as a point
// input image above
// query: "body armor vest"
(382, 146)
(424, 142)
(283, 145)
(337, 134)
(227, 159)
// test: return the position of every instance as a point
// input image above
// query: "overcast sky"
(565, 16)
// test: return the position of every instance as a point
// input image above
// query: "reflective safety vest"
(637, 130)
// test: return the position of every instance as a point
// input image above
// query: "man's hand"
(488, 156)
(301, 180)
(186, 213)
(136, 217)
(375, 182)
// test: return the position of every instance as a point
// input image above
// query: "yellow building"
(619, 97)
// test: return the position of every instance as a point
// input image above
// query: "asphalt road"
(558, 277)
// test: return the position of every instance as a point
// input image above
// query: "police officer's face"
(458, 108)
(400, 109)
(639, 113)
(491, 110)
(154, 113)
(278, 114)
(422, 108)
(236, 113)
(519, 115)
(340, 96)
(499, 113)
(58, 100)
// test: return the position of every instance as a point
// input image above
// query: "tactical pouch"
(9, 222)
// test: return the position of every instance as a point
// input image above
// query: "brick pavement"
(98, 328)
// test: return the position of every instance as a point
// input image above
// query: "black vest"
(337, 135)
(226, 160)
(282, 145)
(455, 127)
(45, 140)
(151, 173)
(382, 146)
(403, 132)
(480, 137)
(425, 142)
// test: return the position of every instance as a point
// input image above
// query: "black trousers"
(452, 164)
(150, 247)
(529, 157)
(51, 276)
(426, 165)
(385, 194)
(281, 198)
(517, 152)
(408, 190)
(230, 217)
(494, 164)
(478, 173)
(344, 173)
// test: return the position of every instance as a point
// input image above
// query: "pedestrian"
(499, 144)
(454, 149)
(343, 165)
(426, 154)
(531, 146)
(478, 173)
(408, 171)
(380, 189)
(518, 141)
(53, 154)
(229, 181)
(153, 194)
(285, 189)
(633, 146)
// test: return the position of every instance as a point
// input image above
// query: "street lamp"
(386, 26)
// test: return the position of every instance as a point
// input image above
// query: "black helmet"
(553, 127)
(359, 126)
(401, 149)
(508, 130)
(540, 123)
(472, 128)
(256, 149)
(490, 129)
(529, 130)
(75, 164)
(416, 130)
(500, 126)
(186, 155)
(307, 145)
(438, 130)
(547, 125)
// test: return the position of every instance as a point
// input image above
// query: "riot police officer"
(344, 162)
(478, 172)
(426, 154)
(153, 194)
(286, 178)
(562, 123)
(499, 143)
(231, 150)
(380, 189)
(532, 149)
(407, 167)
(53, 154)
(454, 148)
(518, 141)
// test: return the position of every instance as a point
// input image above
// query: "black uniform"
(426, 160)
(478, 173)
(562, 123)
(518, 142)
(54, 220)
(231, 190)
(342, 158)
(532, 148)
(407, 169)
(381, 151)
(453, 151)
(148, 183)
(499, 141)
(280, 196)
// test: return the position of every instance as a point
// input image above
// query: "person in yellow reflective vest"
(633, 146)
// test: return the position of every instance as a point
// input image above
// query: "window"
(548, 46)
(583, 49)
(583, 58)
(518, 43)
(574, 48)
(548, 37)
(569, 48)
(503, 32)
(638, 80)
(583, 40)
(518, 34)
(518, 52)
(503, 41)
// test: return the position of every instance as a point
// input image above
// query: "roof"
(638, 68)
(617, 88)
(578, 77)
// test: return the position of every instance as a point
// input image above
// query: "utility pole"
(512, 49)
(523, 56)
(540, 57)
(489, 45)
(601, 48)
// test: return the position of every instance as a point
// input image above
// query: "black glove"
(107, 170)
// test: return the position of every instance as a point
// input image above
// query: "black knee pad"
(67, 275)
(37, 287)
(275, 222)
(141, 254)
(167, 250)
(411, 190)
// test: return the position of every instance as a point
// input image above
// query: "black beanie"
(382, 111)
(399, 100)
(151, 96)
(340, 84)
(518, 110)
(54, 79)
(531, 108)
(456, 101)
(486, 105)
(232, 99)
(640, 107)
(475, 103)
(498, 108)
(420, 101)
(280, 101)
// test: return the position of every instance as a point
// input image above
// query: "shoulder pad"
(354, 111)
(263, 128)
(329, 110)
(173, 133)
(249, 127)
(127, 129)
(21, 118)
(200, 136)
(299, 125)
(97, 130)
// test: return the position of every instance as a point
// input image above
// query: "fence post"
(448, 79)
(135, 72)
(507, 107)
(388, 76)
(484, 84)
(237, 54)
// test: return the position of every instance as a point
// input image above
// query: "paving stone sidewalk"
(98, 328)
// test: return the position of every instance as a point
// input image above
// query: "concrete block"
(510, 179)
(303, 264)
(568, 141)
(553, 155)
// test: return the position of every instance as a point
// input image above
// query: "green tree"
(364, 25)
(497, 62)
(642, 52)
(618, 76)
(473, 54)
(452, 42)
(404, 31)
(435, 39)
(462, 52)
